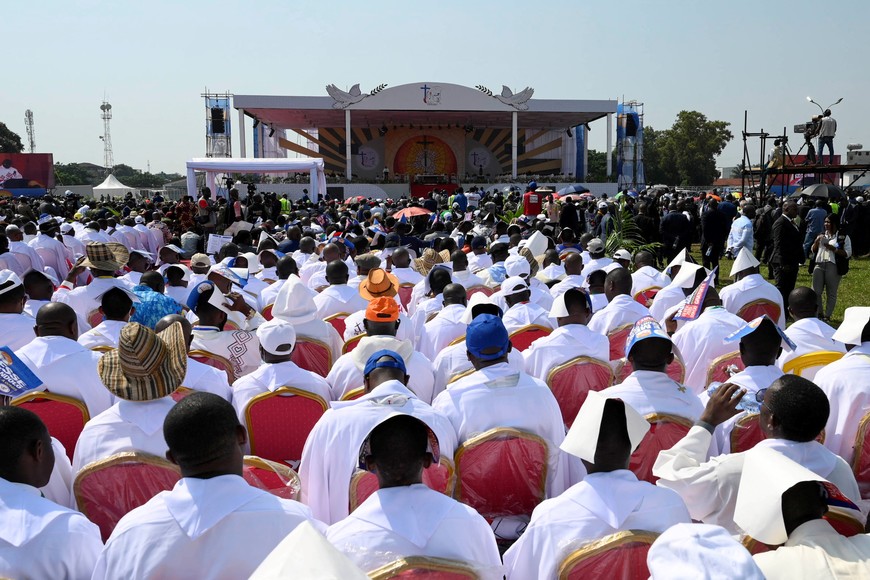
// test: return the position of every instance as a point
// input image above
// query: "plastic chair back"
(439, 477)
(216, 361)
(279, 422)
(337, 322)
(760, 307)
(807, 365)
(571, 382)
(352, 343)
(620, 555)
(720, 370)
(108, 489)
(524, 337)
(273, 477)
(665, 431)
(65, 417)
(424, 568)
(267, 311)
(617, 338)
(502, 472)
(312, 355)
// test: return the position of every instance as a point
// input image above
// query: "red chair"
(312, 355)
(65, 417)
(405, 291)
(760, 307)
(270, 476)
(107, 489)
(353, 394)
(180, 393)
(571, 382)
(337, 322)
(647, 295)
(352, 343)
(95, 317)
(746, 433)
(665, 431)
(230, 325)
(502, 472)
(472, 290)
(720, 370)
(676, 370)
(861, 458)
(524, 337)
(845, 524)
(439, 477)
(617, 338)
(279, 422)
(619, 555)
(214, 360)
(424, 568)
(267, 312)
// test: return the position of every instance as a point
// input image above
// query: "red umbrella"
(410, 212)
(354, 199)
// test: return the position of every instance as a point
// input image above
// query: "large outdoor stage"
(398, 134)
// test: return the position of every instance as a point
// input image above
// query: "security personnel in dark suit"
(788, 251)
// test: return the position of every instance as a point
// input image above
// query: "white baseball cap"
(277, 336)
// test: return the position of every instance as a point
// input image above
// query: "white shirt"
(525, 313)
(269, 377)
(28, 255)
(126, 426)
(178, 293)
(201, 377)
(52, 252)
(551, 272)
(702, 341)
(331, 451)
(740, 235)
(600, 505)
(709, 488)
(240, 347)
(467, 279)
(844, 382)
(560, 346)
(40, 539)
(648, 277)
(568, 282)
(666, 298)
(599, 301)
(416, 521)
(339, 298)
(203, 528)
(407, 275)
(478, 262)
(106, 333)
(67, 368)
(453, 360)
(131, 279)
(17, 330)
(810, 335)
(593, 265)
(353, 326)
(748, 289)
(649, 392)
(84, 298)
(498, 396)
(623, 309)
(442, 330)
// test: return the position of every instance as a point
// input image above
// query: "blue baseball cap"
(487, 333)
(198, 290)
(393, 360)
(646, 327)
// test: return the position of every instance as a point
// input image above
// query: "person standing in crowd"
(827, 131)
(788, 253)
(714, 231)
(832, 250)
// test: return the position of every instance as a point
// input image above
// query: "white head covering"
(305, 553)
(294, 303)
(678, 260)
(582, 439)
(854, 320)
(276, 333)
(9, 281)
(476, 298)
(517, 265)
(700, 552)
(537, 243)
(559, 309)
(514, 285)
(253, 262)
(744, 260)
(685, 278)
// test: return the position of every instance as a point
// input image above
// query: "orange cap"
(383, 309)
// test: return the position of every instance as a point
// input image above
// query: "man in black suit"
(788, 251)
(714, 233)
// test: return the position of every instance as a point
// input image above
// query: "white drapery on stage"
(214, 165)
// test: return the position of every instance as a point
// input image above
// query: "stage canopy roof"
(216, 165)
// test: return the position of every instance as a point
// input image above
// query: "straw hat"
(378, 283)
(526, 253)
(145, 366)
(106, 256)
(427, 261)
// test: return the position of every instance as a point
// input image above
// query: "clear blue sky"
(153, 59)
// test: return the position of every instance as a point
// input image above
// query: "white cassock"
(30, 259)
(479, 262)
(53, 254)
(407, 275)
(749, 288)
(648, 277)
(439, 332)
(131, 279)
(709, 488)
(203, 528)
(525, 313)
(201, 377)
(269, 377)
(240, 347)
(178, 293)
(17, 330)
(551, 272)
(453, 360)
(74, 246)
(126, 426)
(815, 549)
(466, 278)
(600, 505)
(270, 293)
(195, 279)
(302, 258)
(416, 521)
(599, 301)
(539, 294)
(255, 288)
(560, 346)
(353, 326)
(41, 539)
(146, 239)
(594, 265)
(106, 333)
(84, 298)
(649, 392)
(268, 275)
(426, 308)
(331, 452)
(810, 335)
(623, 309)
(67, 368)
(347, 372)
(89, 236)
(702, 341)
(665, 299)
(60, 486)
(568, 282)
(317, 329)
(844, 382)
(339, 298)
(499, 396)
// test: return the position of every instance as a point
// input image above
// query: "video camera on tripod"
(810, 129)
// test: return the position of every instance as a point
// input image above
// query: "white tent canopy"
(111, 187)
(214, 165)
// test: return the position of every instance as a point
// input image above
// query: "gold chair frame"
(231, 374)
(863, 426)
(461, 375)
(280, 391)
(33, 395)
(350, 341)
(818, 358)
(602, 545)
(457, 340)
(283, 470)
(393, 569)
(102, 348)
(716, 362)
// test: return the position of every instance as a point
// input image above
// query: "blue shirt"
(816, 222)
(153, 306)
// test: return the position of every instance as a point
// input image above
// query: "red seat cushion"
(572, 383)
(312, 356)
(279, 425)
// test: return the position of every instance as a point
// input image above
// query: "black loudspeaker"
(354, 148)
(217, 121)
(631, 125)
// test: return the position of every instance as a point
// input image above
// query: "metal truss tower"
(108, 159)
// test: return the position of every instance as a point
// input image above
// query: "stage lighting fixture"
(256, 123)
(383, 130)
(569, 131)
(469, 128)
(271, 131)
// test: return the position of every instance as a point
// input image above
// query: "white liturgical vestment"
(16, 330)
(331, 452)
(201, 377)
(622, 310)
(447, 326)
(748, 289)
(649, 392)
(648, 277)
(666, 298)
(52, 252)
(106, 333)
(269, 377)
(240, 347)
(453, 361)
(810, 335)
(753, 379)
(600, 505)
(41, 539)
(83, 299)
(568, 282)
(560, 346)
(524, 314)
(845, 384)
(702, 341)
(339, 298)
(203, 528)
(353, 326)
(416, 521)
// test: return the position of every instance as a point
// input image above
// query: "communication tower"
(108, 160)
(31, 136)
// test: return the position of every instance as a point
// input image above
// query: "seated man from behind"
(116, 306)
(16, 324)
(199, 376)
(38, 538)
(406, 518)
(212, 524)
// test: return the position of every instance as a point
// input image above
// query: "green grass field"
(854, 287)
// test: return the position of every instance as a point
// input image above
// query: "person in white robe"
(75, 247)
(749, 285)
(116, 305)
(199, 376)
(461, 273)
(17, 327)
(448, 324)
(52, 252)
(478, 259)
(845, 383)
(521, 312)
(808, 332)
(331, 452)
(645, 274)
(430, 298)
(793, 414)
(401, 262)
(496, 273)
(140, 262)
(686, 280)
(338, 296)
(573, 275)
(571, 339)
(295, 304)
(700, 551)
(597, 259)
(404, 517)
(313, 271)
(552, 270)
(19, 247)
(38, 537)
(380, 283)
(621, 308)
(608, 500)
(212, 524)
